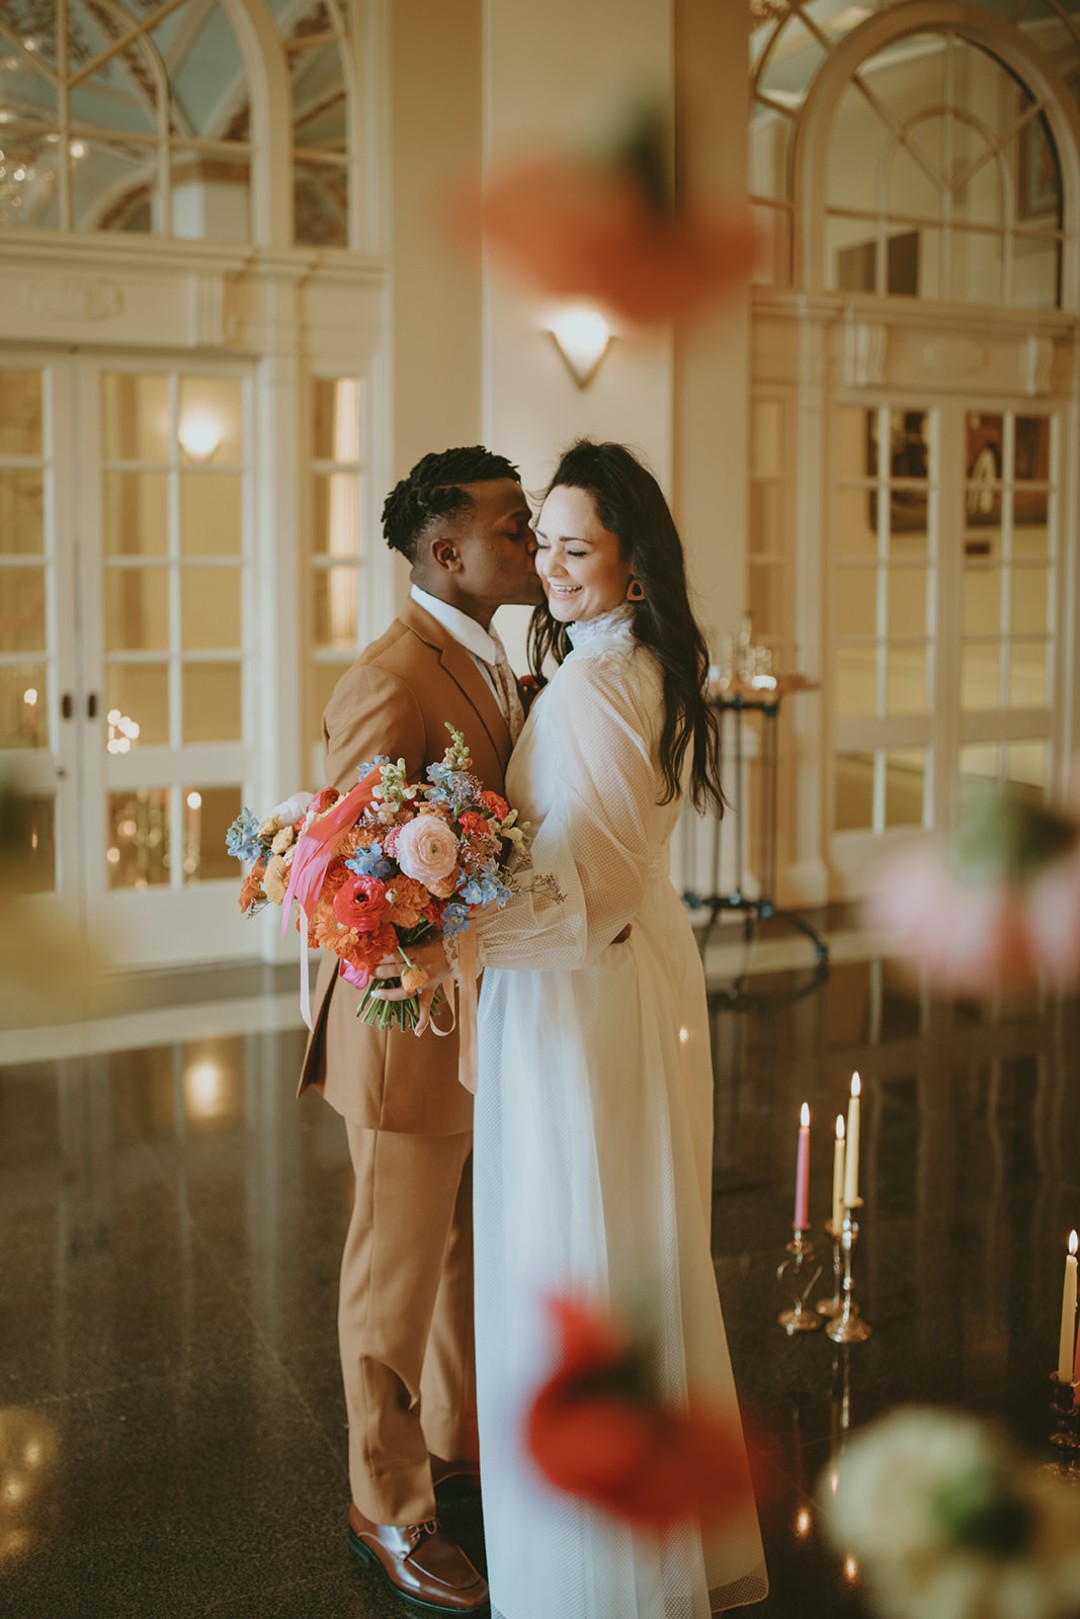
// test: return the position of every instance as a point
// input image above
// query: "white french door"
(946, 613)
(126, 643)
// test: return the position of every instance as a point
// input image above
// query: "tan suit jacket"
(396, 699)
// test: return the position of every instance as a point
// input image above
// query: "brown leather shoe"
(454, 1481)
(421, 1562)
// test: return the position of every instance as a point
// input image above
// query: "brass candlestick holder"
(831, 1307)
(1065, 1414)
(849, 1327)
(800, 1276)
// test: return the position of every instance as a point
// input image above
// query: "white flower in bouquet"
(948, 1521)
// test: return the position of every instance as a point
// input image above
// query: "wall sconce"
(582, 337)
(200, 436)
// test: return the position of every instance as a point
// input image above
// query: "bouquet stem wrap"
(468, 999)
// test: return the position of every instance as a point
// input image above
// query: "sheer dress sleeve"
(591, 857)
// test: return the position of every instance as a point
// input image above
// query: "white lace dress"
(593, 1139)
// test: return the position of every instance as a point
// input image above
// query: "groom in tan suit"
(405, 1307)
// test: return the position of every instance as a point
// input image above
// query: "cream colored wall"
(435, 123)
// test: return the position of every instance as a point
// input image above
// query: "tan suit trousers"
(405, 1402)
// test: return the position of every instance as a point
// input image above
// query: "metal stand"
(799, 1276)
(738, 703)
(849, 1327)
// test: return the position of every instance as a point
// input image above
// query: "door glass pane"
(136, 609)
(324, 677)
(211, 514)
(113, 186)
(138, 693)
(905, 773)
(1031, 455)
(21, 406)
(135, 519)
(30, 842)
(983, 462)
(24, 711)
(980, 763)
(907, 601)
(766, 446)
(210, 609)
(853, 792)
(212, 710)
(22, 512)
(1029, 601)
(336, 425)
(980, 686)
(336, 602)
(767, 599)
(1029, 670)
(208, 814)
(982, 599)
(856, 681)
(337, 514)
(137, 851)
(1025, 768)
(856, 523)
(766, 537)
(905, 680)
(976, 263)
(135, 417)
(856, 601)
(211, 421)
(22, 609)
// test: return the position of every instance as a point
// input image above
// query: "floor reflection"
(171, 1426)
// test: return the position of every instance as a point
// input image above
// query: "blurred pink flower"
(996, 906)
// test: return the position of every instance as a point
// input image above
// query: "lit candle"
(838, 1176)
(1066, 1364)
(851, 1153)
(802, 1170)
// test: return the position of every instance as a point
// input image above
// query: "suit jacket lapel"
(459, 665)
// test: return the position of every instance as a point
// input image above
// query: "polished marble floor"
(172, 1439)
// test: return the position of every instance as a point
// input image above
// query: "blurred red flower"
(599, 1430)
(609, 231)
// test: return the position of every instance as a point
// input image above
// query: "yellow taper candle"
(851, 1150)
(1068, 1315)
(838, 1176)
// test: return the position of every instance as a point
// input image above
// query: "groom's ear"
(445, 554)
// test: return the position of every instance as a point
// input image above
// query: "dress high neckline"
(614, 626)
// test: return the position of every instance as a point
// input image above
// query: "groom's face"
(496, 545)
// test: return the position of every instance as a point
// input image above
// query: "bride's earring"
(635, 591)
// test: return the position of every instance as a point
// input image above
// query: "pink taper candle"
(1066, 1361)
(802, 1171)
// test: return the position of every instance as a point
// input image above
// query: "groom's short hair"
(433, 489)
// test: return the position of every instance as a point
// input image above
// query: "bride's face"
(579, 562)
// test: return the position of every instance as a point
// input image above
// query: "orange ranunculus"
(251, 888)
(361, 903)
(407, 898)
(599, 1430)
(498, 806)
(359, 838)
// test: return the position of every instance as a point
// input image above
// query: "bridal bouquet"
(385, 866)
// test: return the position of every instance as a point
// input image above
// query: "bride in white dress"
(593, 1132)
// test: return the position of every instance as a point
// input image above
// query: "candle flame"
(1072, 1242)
(839, 1127)
(804, 1115)
(856, 1083)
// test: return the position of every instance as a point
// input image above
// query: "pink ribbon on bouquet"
(314, 852)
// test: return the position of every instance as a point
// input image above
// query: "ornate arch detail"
(995, 34)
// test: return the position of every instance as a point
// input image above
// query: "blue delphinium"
(485, 887)
(371, 862)
(242, 838)
(455, 918)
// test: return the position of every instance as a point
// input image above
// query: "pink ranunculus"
(427, 850)
(1053, 921)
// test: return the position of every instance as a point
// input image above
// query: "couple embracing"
(588, 1166)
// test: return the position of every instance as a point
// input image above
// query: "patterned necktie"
(509, 696)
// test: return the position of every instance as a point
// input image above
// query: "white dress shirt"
(483, 646)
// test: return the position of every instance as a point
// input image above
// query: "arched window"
(940, 177)
(137, 116)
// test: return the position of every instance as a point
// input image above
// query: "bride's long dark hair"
(630, 503)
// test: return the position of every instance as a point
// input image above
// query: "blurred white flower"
(948, 1521)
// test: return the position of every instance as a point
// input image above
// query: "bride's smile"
(580, 562)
